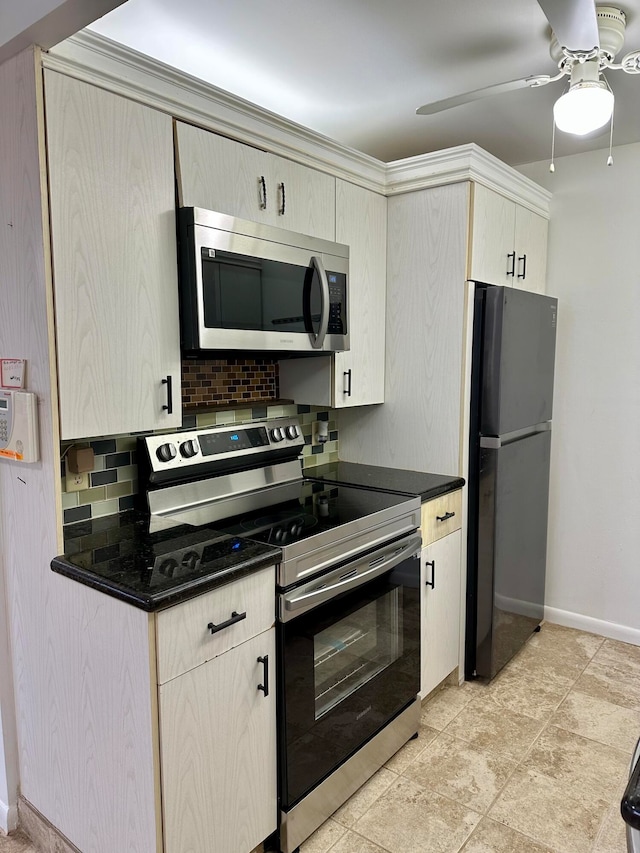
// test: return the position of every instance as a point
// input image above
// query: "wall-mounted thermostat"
(19, 426)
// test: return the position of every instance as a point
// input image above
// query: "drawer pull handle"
(432, 582)
(265, 687)
(446, 516)
(235, 617)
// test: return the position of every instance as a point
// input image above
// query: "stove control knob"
(166, 452)
(190, 560)
(189, 448)
(278, 533)
(292, 431)
(276, 434)
(168, 567)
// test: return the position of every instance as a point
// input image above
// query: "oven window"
(356, 649)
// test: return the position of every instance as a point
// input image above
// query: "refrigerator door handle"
(494, 442)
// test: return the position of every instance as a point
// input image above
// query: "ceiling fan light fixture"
(585, 107)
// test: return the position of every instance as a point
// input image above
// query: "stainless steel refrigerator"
(514, 342)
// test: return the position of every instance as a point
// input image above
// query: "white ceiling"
(355, 70)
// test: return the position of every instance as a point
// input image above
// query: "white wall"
(45, 22)
(594, 270)
(8, 741)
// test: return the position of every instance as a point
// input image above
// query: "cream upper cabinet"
(356, 377)
(531, 244)
(114, 261)
(220, 174)
(508, 242)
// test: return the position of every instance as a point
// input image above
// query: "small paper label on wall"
(12, 372)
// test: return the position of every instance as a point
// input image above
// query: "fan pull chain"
(552, 165)
(610, 157)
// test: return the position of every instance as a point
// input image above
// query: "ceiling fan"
(585, 41)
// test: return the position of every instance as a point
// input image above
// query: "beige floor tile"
(455, 769)
(596, 770)
(403, 758)
(624, 650)
(364, 798)
(323, 838)
(533, 696)
(489, 726)
(492, 837)
(599, 720)
(611, 681)
(612, 836)
(412, 819)
(567, 642)
(544, 661)
(354, 843)
(17, 842)
(34, 825)
(549, 811)
(447, 703)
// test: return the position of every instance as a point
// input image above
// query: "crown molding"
(466, 163)
(109, 65)
(98, 60)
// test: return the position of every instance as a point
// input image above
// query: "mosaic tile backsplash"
(113, 483)
(232, 381)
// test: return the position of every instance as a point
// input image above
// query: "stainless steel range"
(347, 600)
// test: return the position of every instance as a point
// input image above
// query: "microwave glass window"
(241, 292)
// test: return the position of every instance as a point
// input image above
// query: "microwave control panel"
(19, 426)
(337, 303)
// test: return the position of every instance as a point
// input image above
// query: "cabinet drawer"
(441, 516)
(184, 639)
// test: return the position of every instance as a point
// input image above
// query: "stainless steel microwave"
(248, 286)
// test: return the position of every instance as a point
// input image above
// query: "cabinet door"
(440, 635)
(229, 177)
(304, 199)
(492, 237)
(222, 175)
(218, 752)
(531, 250)
(114, 260)
(361, 223)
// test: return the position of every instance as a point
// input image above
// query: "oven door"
(349, 661)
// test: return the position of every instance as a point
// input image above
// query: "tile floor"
(534, 762)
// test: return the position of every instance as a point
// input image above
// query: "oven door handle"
(349, 577)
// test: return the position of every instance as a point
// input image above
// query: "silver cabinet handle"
(347, 390)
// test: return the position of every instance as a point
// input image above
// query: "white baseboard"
(8, 817)
(594, 626)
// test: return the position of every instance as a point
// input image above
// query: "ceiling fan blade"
(574, 23)
(488, 92)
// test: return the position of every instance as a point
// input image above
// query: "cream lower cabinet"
(508, 242)
(218, 752)
(356, 377)
(221, 174)
(113, 233)
(441, 585)
(217, 718)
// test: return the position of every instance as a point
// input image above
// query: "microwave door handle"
(317, 340)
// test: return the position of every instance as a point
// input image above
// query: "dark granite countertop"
(398, 480)
(120, 556)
